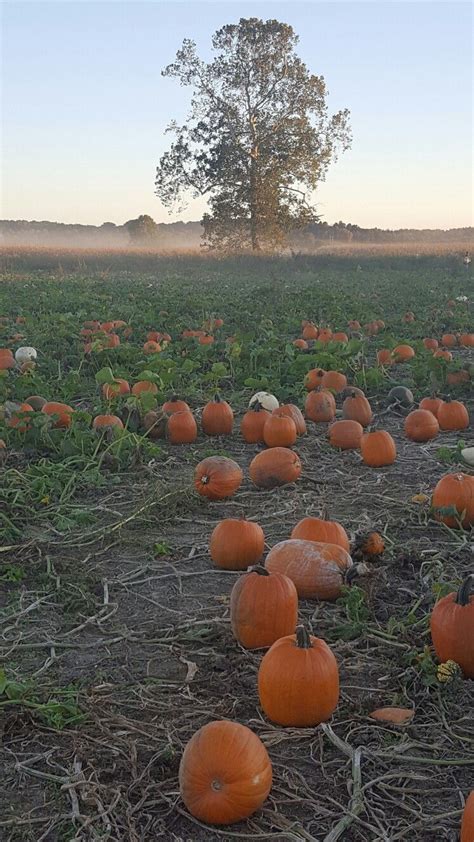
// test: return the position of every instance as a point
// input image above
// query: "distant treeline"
(183, 236)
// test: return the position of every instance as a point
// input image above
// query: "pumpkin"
(354, 324)
(402, 353)
(380, 324)
(430, 344)
(206, 339)
(384, 356)
(17, 416)
(467, 823)
(313, 378)
(155, 424)
(443, 355)
(181, 428)
(7, 360)
(456, 378)
(378, 449)
(252, 424)
(334, 380)
(340, 337)
(449, 340)
(225, 773)
(154, 336)
(453, 500)
(322, 530)
(61, 410)
(265, 399)
(320, 406)
(263, 608)
(279, 431)
(467, 454)
(401, 395)
(421, 425)
(217, 418)
(346, 435)
(301, 344)
(467, 341)
(325, 335)
(431, 404)
(310, 331)
(294, 412)
(298, 681)
(357, 408)
(111, 340)
(25, 354)
(113, 390)
(144, 386)
(275, 467)
(452, 627)
(36, 401)
(175, 405)
(106, 327)
(453, 415)
(107, 423)
(409, 317)
(236, 544)
(368, 544)
(317, 569)
(217, 477)
(151, 347)
(371, 328)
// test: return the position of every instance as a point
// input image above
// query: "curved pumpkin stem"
(217, 398)
(256, 406)
(260, 569)
(303, 640)
(464, 593)
(324, 512)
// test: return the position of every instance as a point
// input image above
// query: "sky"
(84, 107)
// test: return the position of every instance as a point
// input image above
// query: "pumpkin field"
(167, 424)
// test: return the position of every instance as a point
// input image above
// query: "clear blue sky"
(85, 108)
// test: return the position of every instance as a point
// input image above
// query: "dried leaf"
(420, 498)
(394, 716)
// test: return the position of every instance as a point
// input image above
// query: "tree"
(258, 138)
(142, 230)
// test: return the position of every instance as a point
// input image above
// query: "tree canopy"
(258, 138)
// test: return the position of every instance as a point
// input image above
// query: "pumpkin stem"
(303, 640)
(324, 513)
(217, 398)
(464, 592)
(258, 568)
(354, 572)
(256, 406)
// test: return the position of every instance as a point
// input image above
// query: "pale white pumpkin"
(265, 399)
(25, 354)
(468, 455)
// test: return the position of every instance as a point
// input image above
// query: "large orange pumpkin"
(217, 477)
(236, 544)
(217, 418)
(63, 412)
(421, 425)
(253, 422)
(453, 415)
(402, 353)
(378, 449)
(181, 428)
(317, 569)
(346, 435)
(357, 408)
(320, 406)
(467, 823)
(298, 681)
(322, 530)
(225, 773)
(294, 412)
(335, 381)
(453, 500)
(263, 608)
(452, 627)
(279, 431)
(274, 467)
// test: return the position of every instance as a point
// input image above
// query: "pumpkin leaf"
(105, 375)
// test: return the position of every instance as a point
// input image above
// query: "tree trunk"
(253, 202)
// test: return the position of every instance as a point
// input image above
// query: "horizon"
(89, 130)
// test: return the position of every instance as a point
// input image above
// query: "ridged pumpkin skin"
(252, 424)
(452, 628)
(175, 405)
(279, 431)
(320, 406)
(454, 491)
(217, 477)
(274, 467)
(453, 415)
(217, 418)
(236, 544)
(421, 425)
(321, 530)
(357, 408)
(313, 378)
(317, 569)
(346, 435)
(335, 381)
(62, 410)
(467, 824)
(294, 412)
(378, 449)
(298, 681)
(107, 422)
(263, 608)
(431, 405)
(225, 773)
(181, 427)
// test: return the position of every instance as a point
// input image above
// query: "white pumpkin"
(468, 455)
(266, 400)
(25, 355)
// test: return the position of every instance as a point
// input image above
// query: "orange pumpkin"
(207, 339)
(452, 627)
(175, 405)
(17, 417)
(321, 530)
(402, 353)
(369, 544)
(301, 344)
(115, 389)
(317, 569)
(443, 355)
(151, 347)
(421, 425)
(457, 378)
(334, 380)
(453, 415)
(181, 428)
(313, 378)
(320, 406)
(63, 412)
(325, 335)
(354, 324)
(384, 357)
(310, 331)
(279, 431)
(225, 773)
(340, 337)
(453, 500)
(378, 449)
(217, 418)
(217, 477)
(7, 360)
(467, 823)
(263, 608)
(275, 467)
(294, 412)
(467, 341)
(449, 340)
(430, 344)
(106, 423)
(431, 404)
(357, 408)
(298, 681)
(346, 435)
(144, 386)
(236, 544)
(253, 422)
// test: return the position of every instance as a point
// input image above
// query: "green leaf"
(105, 375)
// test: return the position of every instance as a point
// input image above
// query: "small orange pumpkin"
(378, 449)
(17, 417)
(431, 404)
(320, 406)
(274, 467)
(175, 405)
(402, 353)
(313, 378)
(181, 427)
(236, 544)
(453, 415)
(217, 418)
(253, 422)
(63, 412)
(294, 412)
(346, 435)
(357, 408)
(263, 608)
(279, 431)
(452, 627)
(334, 380)
(322, 530)
(467, 823)
(144, 386)
(115, 389)
(106, 423)
(217, 477)
(430, 344)
(449, 340)
(453, 500)
(384, 356)
(421, 425)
